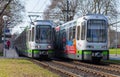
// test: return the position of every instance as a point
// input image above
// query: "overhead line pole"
(116, 37)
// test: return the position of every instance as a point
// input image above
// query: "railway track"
(74, 69)
(115, 66)
(62, 71)
(87, 70)
(111, 68)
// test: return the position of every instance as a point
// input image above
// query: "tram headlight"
(104, 46)
(90, 46)
(37, 46)
(49, 46)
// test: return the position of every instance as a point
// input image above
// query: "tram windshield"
(43, 33)
(96, 31)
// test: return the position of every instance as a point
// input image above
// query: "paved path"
(10, 53)
(114, 57)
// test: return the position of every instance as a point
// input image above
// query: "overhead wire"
(42, 6)
(37, 2)
(36, 12)
(44, 3)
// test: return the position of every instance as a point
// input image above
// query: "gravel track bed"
(76, 71)
(103, 68)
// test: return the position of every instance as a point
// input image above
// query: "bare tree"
(106, 7)
(81, 7)
(60, 8)
(4, 5)
(16, 12)
(13, 9)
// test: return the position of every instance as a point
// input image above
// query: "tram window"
(83, 31)
(33, 34)
(53, 34)
(70, 33)
(96, 33)
(64, 35)
(29, 35)
(67, 34)
(74, 27)
(78, 32)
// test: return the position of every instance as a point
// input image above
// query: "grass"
(114, 51)
(22, 68)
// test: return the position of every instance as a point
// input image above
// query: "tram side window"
(83, 31)
(53, 34)
(64, 36)
(33, 34)
(63, 39)
(58, 36)
(67, 34)
(78, 33)
(29, 35)
(70, 33)
(74, 32)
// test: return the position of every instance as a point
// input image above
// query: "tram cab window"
(97, 31)
(78, 32)
(43, 33)
(83, 31)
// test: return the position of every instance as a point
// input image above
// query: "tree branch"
(5, 7)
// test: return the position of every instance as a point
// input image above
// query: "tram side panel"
(20, 43)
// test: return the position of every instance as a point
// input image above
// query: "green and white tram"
(37, 39)
(85, 38)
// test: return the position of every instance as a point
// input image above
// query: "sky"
(36, 5)
(31, 6)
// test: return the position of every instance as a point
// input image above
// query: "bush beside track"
(22, 68)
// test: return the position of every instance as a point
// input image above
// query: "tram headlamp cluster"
(37, 46)
(48, 46)
(90, 46)
(104, 46)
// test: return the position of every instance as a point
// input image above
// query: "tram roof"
(44, 22)
(87, 17)
(94, 16)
